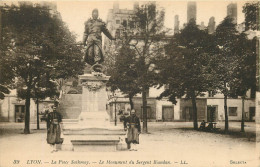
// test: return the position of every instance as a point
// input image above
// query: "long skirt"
(132, 135)
(53, 134)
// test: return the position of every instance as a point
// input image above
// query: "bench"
(210, 126)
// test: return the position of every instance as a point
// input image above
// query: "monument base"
(96, 143)
(93, 119)
(93, 130)
(79, 137)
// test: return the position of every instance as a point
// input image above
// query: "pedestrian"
(209, 127)
(133, 128)
(54, 129)
(202, 125)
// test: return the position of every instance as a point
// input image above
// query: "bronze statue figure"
(92, 35)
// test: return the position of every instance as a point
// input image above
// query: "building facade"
(209, 108)
(12, 108)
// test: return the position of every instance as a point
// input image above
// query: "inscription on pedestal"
(93, 85)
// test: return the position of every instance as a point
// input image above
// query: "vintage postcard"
(129, 83)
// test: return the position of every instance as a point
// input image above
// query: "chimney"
(176, 24)
(116, 7)
(191, 11)
(211, 25)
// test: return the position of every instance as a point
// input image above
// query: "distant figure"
(202, 125)
(210, 126)
(53, 128)
(92, 35)
(45, 114)
(133, 128)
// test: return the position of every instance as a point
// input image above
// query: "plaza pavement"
(167, 144)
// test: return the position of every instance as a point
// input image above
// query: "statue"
(92, 35)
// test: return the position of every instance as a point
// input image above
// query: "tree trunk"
(243, 114)
(226, 113)
(194, 108)
(145, 130)
(225, 109)
(27, 111)
(131, 102)
(1, 28)
(115, 114)
(38, 122)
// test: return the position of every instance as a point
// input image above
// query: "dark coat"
(132, 119)
(53, 128)
(92, 34)
(132, 123)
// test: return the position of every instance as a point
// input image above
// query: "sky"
(75, 13)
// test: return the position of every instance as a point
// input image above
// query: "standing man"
(53, 128)
(92, 35)
(132, 125)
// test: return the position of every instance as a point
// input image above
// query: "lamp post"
(115, 99)
(38, 122)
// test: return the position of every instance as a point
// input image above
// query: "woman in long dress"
(53, 128)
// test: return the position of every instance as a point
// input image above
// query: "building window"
(166, 87)
(167, 113)
(211, 93)
(251, 113)
(124, 23)
(147, 93)
(132, 24)
(187, 113)
(19, 113)
(252, 92)
(117, 21)
(148, 112)
(117, 33)
(232, 111)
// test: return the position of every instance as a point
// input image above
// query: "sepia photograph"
(167, 83)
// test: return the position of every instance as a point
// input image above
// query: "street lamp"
(115, 99)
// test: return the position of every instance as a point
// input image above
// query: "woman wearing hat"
(53, 128)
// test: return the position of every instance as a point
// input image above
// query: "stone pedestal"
(93, 131)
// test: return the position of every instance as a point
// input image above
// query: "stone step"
(92, 143)
(93, 131)
(69, 120)
(95, 144)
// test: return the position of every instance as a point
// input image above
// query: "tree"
(145, 37)
(245, 72)
(124, 74)
(43, 89)
(38, 44)
(227, 54)
(6, 75)
(184, 69)
(251, 10)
